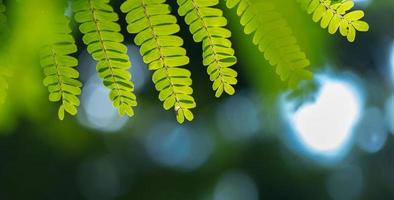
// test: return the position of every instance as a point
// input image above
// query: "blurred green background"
(332, 140)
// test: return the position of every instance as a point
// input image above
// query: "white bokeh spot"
(325, 127)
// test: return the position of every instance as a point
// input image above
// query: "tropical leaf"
(59, 68)
(336, 16)
(207, 23)
(162, 50)
(274, 38)
(98, 23)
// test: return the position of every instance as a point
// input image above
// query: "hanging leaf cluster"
(155, 28)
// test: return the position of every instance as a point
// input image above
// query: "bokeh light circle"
(323, 129)
(236, 185)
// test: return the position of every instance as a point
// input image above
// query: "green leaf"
(274, 39)
(207, 23)
(61, 112)
(162, 51)
(335, 16)
(98, 23)
(58, 67)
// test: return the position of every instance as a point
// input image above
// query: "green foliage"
(207, 26)
(59, 68)
(4, 74)
(162, 50)
(155, 29)
(274, 38)
(336, 16)
(4, 71)
(3, 17)
(102, 36)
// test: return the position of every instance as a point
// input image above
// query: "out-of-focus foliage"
(19, 50)
(4, 75)
(274, 38)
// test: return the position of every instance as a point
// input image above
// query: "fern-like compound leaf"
(337, 16)
(162, 50)
(104, 40)
(274, 38)
(59, 68)
(207, 23)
